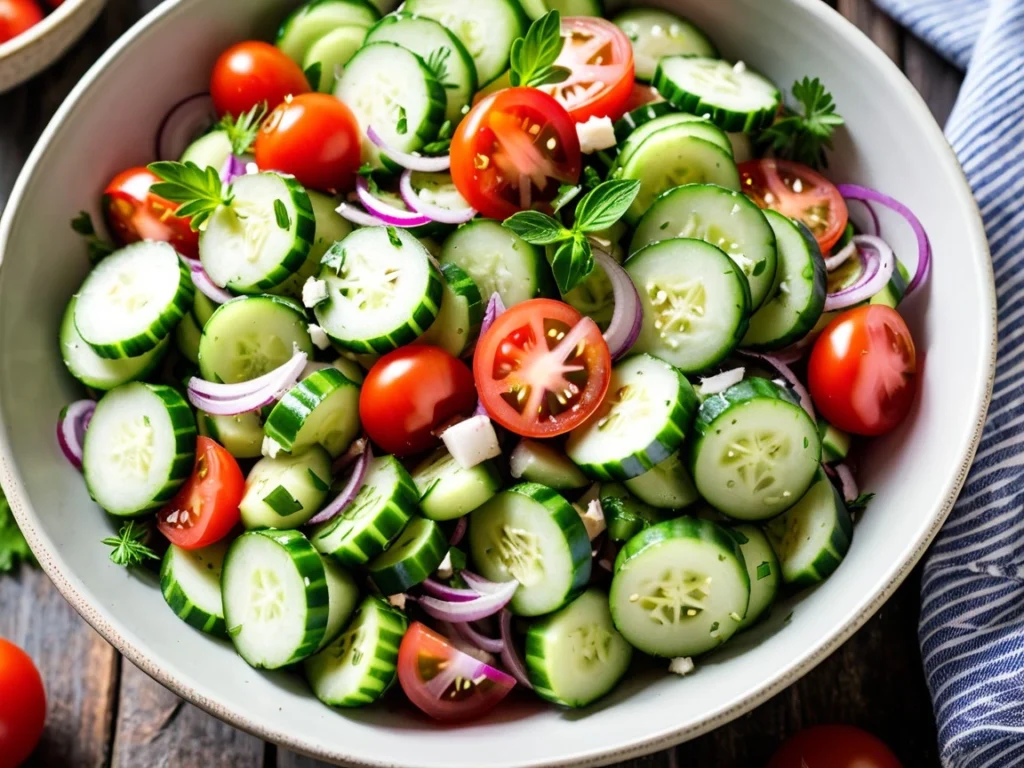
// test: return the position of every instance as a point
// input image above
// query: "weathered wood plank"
(937, 80)
(288, 759)
(875, 25)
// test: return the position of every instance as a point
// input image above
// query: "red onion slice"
(720, 382)
(218, 391)
(495, 309)
(433, 212)
(483, 586)
(879, 263)
(357, 449)
(349, 492)
(478, 639)
(472, 610)
(184, 123)
(71, 426)
(628, 317)
(791, 378)
(460, 531)
(435, 588)
(510, 655)
(205, 285)
(849, 485)
(358, 216)
(832, 263)
(233, 167)
(406, 160)
(462, 666)
(389, 214)
(234, 399)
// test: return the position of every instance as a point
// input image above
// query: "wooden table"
(104, 711)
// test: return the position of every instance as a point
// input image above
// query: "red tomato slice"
(834, 746)
(443, 681)
(133, 213)
(542, 369)
(798, 192)
(513, 151)
(206, 508)
(599, 58)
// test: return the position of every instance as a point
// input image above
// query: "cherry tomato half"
(834, 746)
(16, 16)
(411, 392)
(22, 705)
(862, 370)
(206, 508)
(542, 369)
(315, 138)
(798, 192)
(133, 213)
(513, 150)
(254, 72)
(429, 671)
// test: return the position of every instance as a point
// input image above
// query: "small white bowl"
(891, 142)
(28, 54)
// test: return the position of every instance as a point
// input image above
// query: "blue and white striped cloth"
(972, 611)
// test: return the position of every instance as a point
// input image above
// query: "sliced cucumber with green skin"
(624, 515)
(132, 300)
(202, 309)
(411, 559)
(735, 97)
(755, 451)
(499, 261)
(682, 125)
(380, 511)
(432, 42)
(357, 668)
(487, 28)
(97, 372)
(812, 537)
(343, 597)
(632, 120)
(322, 409)
(643, 420)
(531, 534)
(535, 462)
(655, 33)
(241, 436)
(139, 448)
(310, 22)
(331, 227)
(448, 491)
(575, 656)
(186, 338)
(190, 583)
(462, 310)
(763, 570)
(835, 444)
(799, 297)
(696, 302)
(594, 297)
(381, 294)
(329, 55)
(210, 150)
(276, 599)
(537, 8)
(244, 246)
(680, 588)
(285, 491)
(350, 369)
(667, 486)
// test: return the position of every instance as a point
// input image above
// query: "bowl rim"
(37, 32)
(112, 630)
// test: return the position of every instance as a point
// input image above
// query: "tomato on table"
(862, 370)
(133, 213)
(251, 73)
(16, 16)
(428, 673)
(315, 138)
(22, 705)
(411, 392)
(206, 508)
(542, 369)
(799, 192)
(512, 152)
(834, 746)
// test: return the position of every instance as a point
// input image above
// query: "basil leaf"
(571, 263)
(537, 228)
(534, 55)
(282, 502)
(606, 204)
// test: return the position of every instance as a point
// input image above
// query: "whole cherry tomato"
(251, 73)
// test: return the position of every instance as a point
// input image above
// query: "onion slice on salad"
(74, 420)
(628, 316)
(433, 212)
(791, 378)
(349, 492)
(460, 531)
(495, 309)
(204, 283)
(832, 263)
(359, 217)
(406, 160)
(387, 213)
(481, 607)
(184, 123)
(234, 399)
(435, 588)
(879, 263)
(509, 655)
(233, 167)
(474, 637)
(849, 485)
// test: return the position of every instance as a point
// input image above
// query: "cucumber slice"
(735, 97)
(680, 588)
(202, 309)
(755, 451)
(437, 46)
(576, 656)
(310, 22)
(284, 492)
(682, 125)
(763, 570)
(329, 55)
(723, 218)
(342, 599)
(487, 29)
(276, 599)
(462, 311)
(358, 667)
(244, 247)
(642, 421)
(537, 8)
(331, 228)
(531, 534)
(799, 297)
(448, 491)
(835, 444)
(186, 338)
(139, 448)
(322, 409)
(594, 297)
(631, 121)
(132, 300)
(190, 583)
(812, 537)
(535, 462)
(382, 293)
(624, 515)
(696, 302)
(499, 261)
(209, 151)
(363, 530)
(97, 372)
(656, 33)
(241, 436)
(250, 336)
(667, 486)
(412, 558)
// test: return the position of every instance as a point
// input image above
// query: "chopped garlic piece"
(681, 665)
(596, 134)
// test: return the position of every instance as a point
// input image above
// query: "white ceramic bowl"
(31, 52)
(891, 143)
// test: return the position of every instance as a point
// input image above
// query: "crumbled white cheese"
(445, 569)
(271, 447)
(319, 336)
(251, 169)
(681, 665)
(596, 134)
(397, 600)
(593, 518)
(472, 441)
(314, 292)
(739, 68)
(712, 385)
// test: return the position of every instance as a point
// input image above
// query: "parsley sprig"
(129, 548)
(13, 547)
(242, 130)
(805, 133)
(573, 260)
(534, 56)
(199, 191)
(98, 248)
(437, 63)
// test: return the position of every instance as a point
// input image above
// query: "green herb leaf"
(446, 131)
(242, 130)
(438, 147)
(282, 502)
(129, 548)
(860, 503)
(200, 192)
(97, 248)
(566, 194)
(317, 481)
(437, 63)
(313, 73)
(284, 221)
(533, 56)
(393, 237)
(606, 204)
(739, 536)
(402, 127)
(235, 631)
(758, 268)
(366, 169)
(591, 178)
(458, 558)
(334, 258)
(13, 547)
(764, 570)
(537, 228)
(572, 262)
(804, 134)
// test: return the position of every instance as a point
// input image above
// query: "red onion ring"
(406, 160)
(233, 399)
(435, 588)
(233, 168)
(389, 214)
(481, 641)
(787, 373)
(628, 316)
(358, 216)
(205, 285)
(433, 212)
(874, 227)
(849, 485)
(483, 586)
(832, 263)
(358, 447)
(349, 492)
(183, 124)
(459, 532)
(510, 655)
(495, 309)
(879, 263)
(71, 426)
(471, 610)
